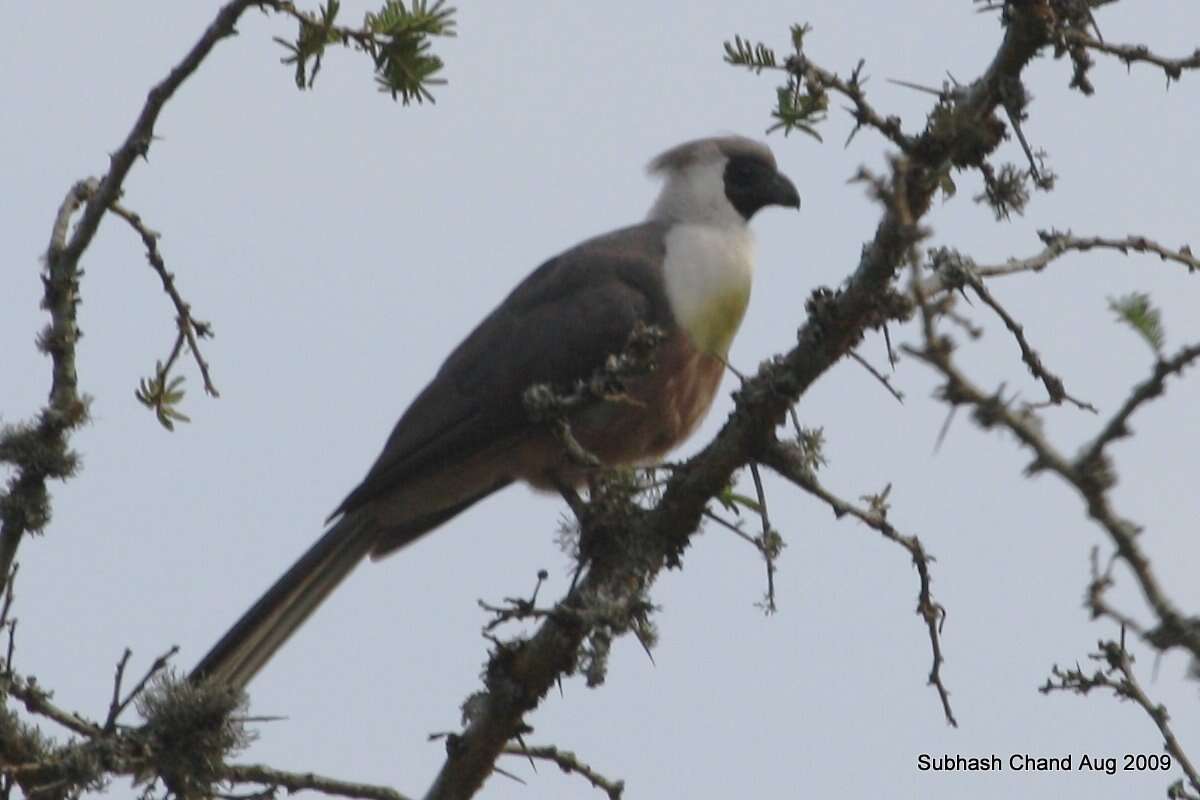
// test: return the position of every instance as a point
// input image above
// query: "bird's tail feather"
(253, 639)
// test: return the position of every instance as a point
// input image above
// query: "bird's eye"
(740, 170)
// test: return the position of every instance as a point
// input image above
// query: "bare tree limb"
(1119, 677)
(39, 451)
(1054, 384)
(570, 763)
(1136, 53)
(37, 701)
(118, 706)
(1090, 474)
(25, 507)
(1117, 426)
(190, 329)
(1058, 244)
(877, 375)
(300, 781)
(783, 459)
(137, 142)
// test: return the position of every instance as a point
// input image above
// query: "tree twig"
(37, 701)
(877, 375)
(568, 762)
(1054, 384)
(1136, 53)
(190, 329)
(1090, 474)
(25, 508)
(1118, 677)
(300, 781)
(117, 708)
(1057, 244)
(782, 459)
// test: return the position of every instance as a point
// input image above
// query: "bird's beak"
(783, 192)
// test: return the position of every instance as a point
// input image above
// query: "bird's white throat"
(708, 271)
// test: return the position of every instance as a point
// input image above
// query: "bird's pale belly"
(663, 409)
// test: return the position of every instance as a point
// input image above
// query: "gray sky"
(341, 245)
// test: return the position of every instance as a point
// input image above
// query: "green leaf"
(732, 501)
(162, 396)
(796, 110)
(1136, 311)
(798, 32)
(756, 57)
(403, 65)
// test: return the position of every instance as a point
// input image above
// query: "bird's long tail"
(253, 639)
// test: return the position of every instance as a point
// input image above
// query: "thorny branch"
(1059, 243)
(38, 701)
(1132, 54)
(39, 450)
(118, 705)
(111, 749)
(294, 782)
(190, 328)
(568, 762)
(877, 375)
(768, 543)
(955, 271)
(852, 89)
(25, 508)
(1117, 675)
(783, 458)
(1090, 473)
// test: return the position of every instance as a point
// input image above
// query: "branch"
(1090, 474)
(864, 114)
(39, 451)
(877, 375)
(1120, 679)
(1118, 426)
(1136, 53)
(137, 142)
(117, 706)
(190, 328)
(299, 781)
(25, 507)
(1058, 243)
(964, 273)
(568, 762)
(785, 461)
(396, 38)
(37, 701)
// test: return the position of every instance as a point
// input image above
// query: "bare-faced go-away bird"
(686, 270)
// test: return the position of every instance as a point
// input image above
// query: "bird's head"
(719, 181)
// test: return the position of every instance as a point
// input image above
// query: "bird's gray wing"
(557, 326)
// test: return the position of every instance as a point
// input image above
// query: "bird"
(686, 270)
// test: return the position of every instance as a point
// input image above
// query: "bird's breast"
(660, 410)
(707, 273)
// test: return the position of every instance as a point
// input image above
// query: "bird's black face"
(751, 183)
